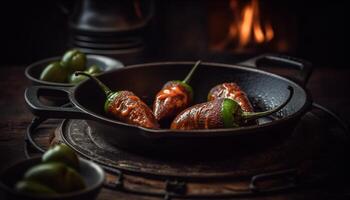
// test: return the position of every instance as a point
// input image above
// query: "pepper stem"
(252, 115)
(189, 75)
(103, 86)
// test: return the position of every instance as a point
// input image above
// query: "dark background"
(32, 30)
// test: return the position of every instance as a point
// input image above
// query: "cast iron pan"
(264, 89)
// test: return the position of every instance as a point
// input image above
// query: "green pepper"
(57, 176)
(73, 60)
(61, 153)
(185, 82)
(174, 97)
(34, 188)
(229, 107)
(234, 116)
(54, 73)
(138, 112)
(93, 70)
(110, 95)
(219, 113)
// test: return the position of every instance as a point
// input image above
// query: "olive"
(54, 73)
(73, 180)
(57, 176)
(93, 70)
(61, 153)
(76, 79)
(73, 60)
(34, 188)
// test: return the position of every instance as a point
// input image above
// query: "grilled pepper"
(126, 106)
(219, 113)
(174, 97)
(231, 91)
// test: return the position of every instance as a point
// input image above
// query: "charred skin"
(125, 106)
(201, 116)
(171, 100)
(129, 108)
(231, 91)
(221, 113)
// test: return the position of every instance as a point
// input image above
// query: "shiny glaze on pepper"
(231, 91)
(172, 99)
(125, 106)
(220, 113)
(201, 116)
(129, 108)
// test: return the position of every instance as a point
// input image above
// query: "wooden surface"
(328, 87)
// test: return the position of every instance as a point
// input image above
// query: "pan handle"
(304, 67)
(32, 95)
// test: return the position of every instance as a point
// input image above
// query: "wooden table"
(329, 87)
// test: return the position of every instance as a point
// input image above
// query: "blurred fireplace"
(313, 30)
(250, 27)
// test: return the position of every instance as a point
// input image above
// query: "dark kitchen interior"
(223, 31)
(180, 30)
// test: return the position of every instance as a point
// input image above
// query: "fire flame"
(246, 27)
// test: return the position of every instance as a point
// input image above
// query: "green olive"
(73, 180)
(73, 60)
(61, 153)
(57, 176)
(48, 174)
(54, 73)
(76, 79)
(93, 69)
(34, 188)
